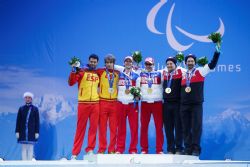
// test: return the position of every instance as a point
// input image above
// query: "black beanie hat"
(190, 55)
(173, 59)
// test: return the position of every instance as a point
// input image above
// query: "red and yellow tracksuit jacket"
(88, 83)
(104, 84)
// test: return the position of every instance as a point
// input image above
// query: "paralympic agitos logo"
(169, 33)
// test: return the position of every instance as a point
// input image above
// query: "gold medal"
(168, 90)
(188, 89)
(127, 91)
(150, 90)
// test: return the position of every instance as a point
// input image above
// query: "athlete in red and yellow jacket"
(88, 105)
(108, 104)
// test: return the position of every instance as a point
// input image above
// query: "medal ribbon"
(127, 80)
(188, 77)
(169, 81)
(150, 80)
(111, 80)
(139, 105)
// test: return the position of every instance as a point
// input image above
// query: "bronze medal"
(188, 89)
(127, 91)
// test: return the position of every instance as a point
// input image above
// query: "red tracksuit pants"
(127, 110)
(148, 109)
(86, 111)
(108, 115)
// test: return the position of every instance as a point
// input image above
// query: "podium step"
(139, 158)
(129, 160)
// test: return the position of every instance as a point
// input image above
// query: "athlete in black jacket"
(171, 107)
(192, 97)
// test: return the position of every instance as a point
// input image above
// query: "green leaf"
(179, 57)
(202, 61)
(74, 60)
(215, 37)
(135, 91)
(137, 56)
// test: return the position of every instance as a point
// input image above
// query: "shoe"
(91, 152)
(170, 152)
(160, 152)
(187, 152)
(178, 152)
(133, 152)
(117, 152)
(195, 153)
(73, 157)
(101, 152)
(112, 152)
(143, 152)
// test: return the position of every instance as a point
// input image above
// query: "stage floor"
(120, 160)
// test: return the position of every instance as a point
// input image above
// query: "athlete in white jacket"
(151, 89)
(127, 107)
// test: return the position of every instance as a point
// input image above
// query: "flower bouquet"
(137, 57)
(75, 63)
(136, 92)
(215, 37)
(179, 57)
(202, 61)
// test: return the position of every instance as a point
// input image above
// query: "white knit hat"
(28, 94)
(128, 57)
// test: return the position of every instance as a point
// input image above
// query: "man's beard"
(91, 67)
(190, 67)
(109, 68)
(170, 69)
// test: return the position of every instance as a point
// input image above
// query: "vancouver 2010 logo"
(169, 33)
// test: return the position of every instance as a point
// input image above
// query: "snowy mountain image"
(54, 108)
(226, 136)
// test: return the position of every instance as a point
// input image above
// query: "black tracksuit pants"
(191, 117)
(172, 126)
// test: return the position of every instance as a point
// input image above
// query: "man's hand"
(218, 47)
(17, 135)
(76, 64)
(74, 69)
(137, 98)
(36, 135)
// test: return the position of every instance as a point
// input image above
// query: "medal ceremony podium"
(133, 160)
